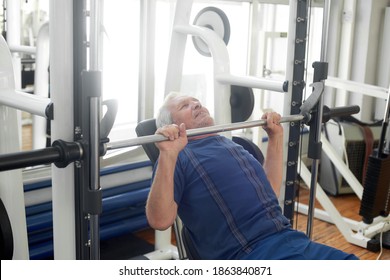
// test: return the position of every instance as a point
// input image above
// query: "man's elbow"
(158, 223)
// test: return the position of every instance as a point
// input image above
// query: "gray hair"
(164, 116)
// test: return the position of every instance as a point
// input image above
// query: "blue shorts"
(294, 245)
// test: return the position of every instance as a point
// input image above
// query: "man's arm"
(161, 208)
(273, 163)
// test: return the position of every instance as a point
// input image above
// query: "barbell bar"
(305, 117)
(61, 153)
(197, 131)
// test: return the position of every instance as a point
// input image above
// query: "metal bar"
(23, 49)
(61, 153)
(94, 173)
(30, 158)
(382, 139)
(33, 104)
(94, 126)
(253, 82)
(80, 110)
(94, 29)
(366, 89)
(198, 131)
(318, 120)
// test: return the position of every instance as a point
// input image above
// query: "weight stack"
(376, 193)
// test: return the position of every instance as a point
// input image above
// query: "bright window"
(120, 62)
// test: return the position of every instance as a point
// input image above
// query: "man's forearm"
(161, 208)
(273, 164)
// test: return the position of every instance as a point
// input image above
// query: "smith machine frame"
(298, 85)
(90, 131)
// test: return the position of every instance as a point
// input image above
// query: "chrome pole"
(95, 173)
(316, 161)
(95, 118)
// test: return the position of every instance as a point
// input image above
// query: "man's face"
(188, 110)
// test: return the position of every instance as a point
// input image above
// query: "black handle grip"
(24, 159)
(339, 112)
(61, 153)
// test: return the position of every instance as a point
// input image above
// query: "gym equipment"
(11, 184)
(197, 131)
(227, 127)
(355, 232)
(348, 138)
(376, 193)
(82, 132)
(17, 99)
(62, 153)
(242, 102)
(214, 19)
(6, 236)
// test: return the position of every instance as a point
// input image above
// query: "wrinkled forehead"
(177, 101)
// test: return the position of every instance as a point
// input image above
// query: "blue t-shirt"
(224, 198)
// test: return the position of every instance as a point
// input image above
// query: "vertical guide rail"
(81, 168)
(87, 90)
(298, 84)
(91, 81)
(94, 93)
(315, 145)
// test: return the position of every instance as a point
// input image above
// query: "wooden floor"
(348, 205)
(322, 232)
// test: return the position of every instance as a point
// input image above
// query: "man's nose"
(196, 105)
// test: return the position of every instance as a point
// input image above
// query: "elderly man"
(224, 196)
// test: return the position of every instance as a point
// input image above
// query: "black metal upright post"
(87, 97)
(315, 145)
(81, 168)
(298, 85)
(89, 169)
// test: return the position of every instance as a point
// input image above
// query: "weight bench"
(185, 247)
